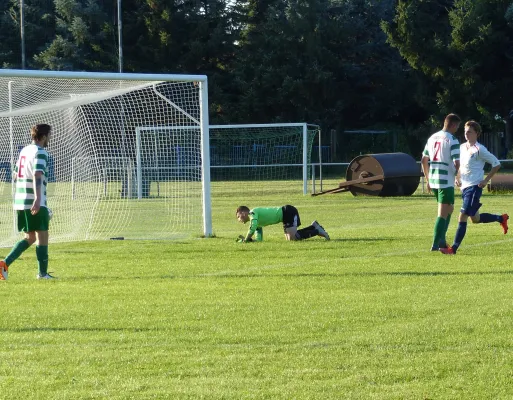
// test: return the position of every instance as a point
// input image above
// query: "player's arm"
(455, 155)
(425, 169)
(253, 225)
(38, 190)
(493, 161)
(492, 172)
(456, 166)
(457, 178)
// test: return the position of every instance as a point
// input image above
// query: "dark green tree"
(190, 36)
(39, 26)
(464, 50)
(10, 51)
(320, 61)
(86, 38)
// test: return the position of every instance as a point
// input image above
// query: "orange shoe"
(504, 223)
(3, 269)
(447, 250)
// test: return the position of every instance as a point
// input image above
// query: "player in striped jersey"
(31, 174)
(473, 158)
(440, 163)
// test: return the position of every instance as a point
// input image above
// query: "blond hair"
(474, 125)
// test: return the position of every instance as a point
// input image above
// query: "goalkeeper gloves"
(242, 239)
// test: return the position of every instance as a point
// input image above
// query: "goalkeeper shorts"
(290, 217)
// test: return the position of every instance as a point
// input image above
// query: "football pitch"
(371, 314)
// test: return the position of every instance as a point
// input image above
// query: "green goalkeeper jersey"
(263, 216)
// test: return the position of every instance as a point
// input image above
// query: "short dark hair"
(242, 209)
(474, 125)
(452, 119)
(39, 131)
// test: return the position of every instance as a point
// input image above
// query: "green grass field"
(371, 314)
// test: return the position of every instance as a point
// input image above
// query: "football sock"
(460, 234)
(443, 242)
(439, 231)
(42, 259)
(306, 233)
(16, 251)
(486, 218)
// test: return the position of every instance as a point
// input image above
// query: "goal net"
(267, 157)
(101, 184)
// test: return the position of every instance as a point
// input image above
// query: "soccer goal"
(107, 178)
(264, 156)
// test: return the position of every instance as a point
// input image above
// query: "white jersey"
(442, 149)
(32, 158)
(473, 159)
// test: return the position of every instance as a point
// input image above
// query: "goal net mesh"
(266, 158)
(94, 189)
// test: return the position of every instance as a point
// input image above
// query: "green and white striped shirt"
(442, 149)
(32, 158)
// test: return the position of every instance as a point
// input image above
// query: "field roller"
(501, 182)
(386, 174)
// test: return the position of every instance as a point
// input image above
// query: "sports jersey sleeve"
(253, 224)
(488, 157)
(455, 149)
(425, 153)
(41, 160)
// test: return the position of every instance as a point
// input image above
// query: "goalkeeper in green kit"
(265, 216)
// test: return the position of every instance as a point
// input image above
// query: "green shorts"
(30, 223)
(445, 195)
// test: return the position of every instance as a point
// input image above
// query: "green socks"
(16, 251)
(443, 240)
(441, 226)
(42, 259)
(439, 232)
(41, 254)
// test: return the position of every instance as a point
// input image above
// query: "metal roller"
(387, 174)
(400, 174)
(501, 182)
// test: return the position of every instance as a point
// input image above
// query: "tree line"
(397, 65)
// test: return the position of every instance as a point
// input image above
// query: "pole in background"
(120, 38)
(22, 32)
(122, 109)
(320, 158)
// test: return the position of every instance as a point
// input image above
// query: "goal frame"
(302, 125)
(203, 124)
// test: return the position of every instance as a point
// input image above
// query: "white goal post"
(262, 152)
(98, 188)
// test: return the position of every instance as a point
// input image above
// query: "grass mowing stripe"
(400, 253)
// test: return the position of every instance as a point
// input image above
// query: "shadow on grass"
(436, 273)
(353, 274)
(74, 329)
(259, 275)
(381, 239)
